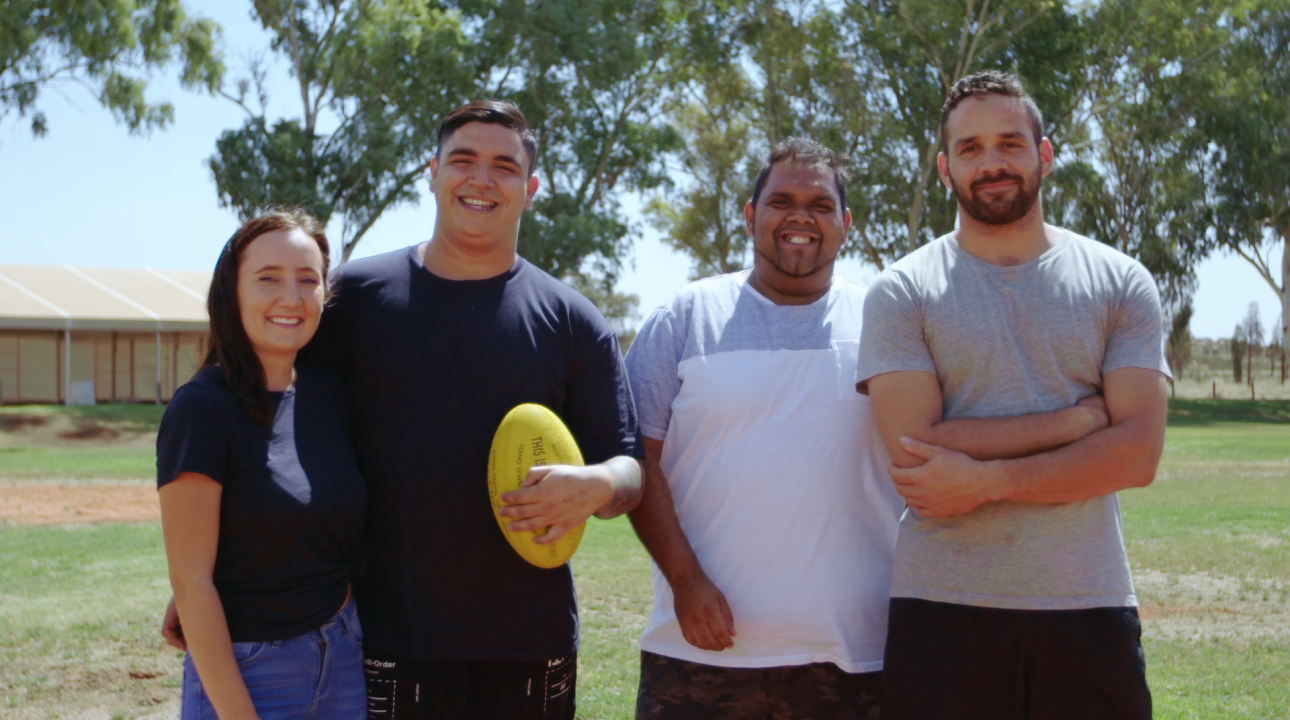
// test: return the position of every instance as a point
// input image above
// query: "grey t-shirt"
(1003, 342)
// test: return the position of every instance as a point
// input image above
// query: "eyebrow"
(279, 267)
(496, 158)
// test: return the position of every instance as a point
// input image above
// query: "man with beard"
(766, 506)
(1018, 377)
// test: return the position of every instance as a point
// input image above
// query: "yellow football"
(529, 436)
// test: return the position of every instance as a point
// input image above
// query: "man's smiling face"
(799, 224)
(481, 184)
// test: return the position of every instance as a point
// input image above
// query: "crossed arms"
(942, 468)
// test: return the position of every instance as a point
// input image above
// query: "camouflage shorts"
(674, 689)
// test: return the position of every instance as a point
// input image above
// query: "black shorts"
(402, 689)
(674, 689)
(960, 661)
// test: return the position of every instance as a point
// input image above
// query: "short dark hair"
(805, 151)
(493, 112)
(992, 82)
(228, 346)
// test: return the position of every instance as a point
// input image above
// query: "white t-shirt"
(777, 472)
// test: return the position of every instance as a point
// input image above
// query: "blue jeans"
(316, 676)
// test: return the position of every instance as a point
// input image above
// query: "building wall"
(122, 365)
(29, 366)
(103, 368)
(8, 365)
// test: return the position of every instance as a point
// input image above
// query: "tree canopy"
(1167, 117)
(107, 48)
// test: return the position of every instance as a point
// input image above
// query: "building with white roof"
(82, 335)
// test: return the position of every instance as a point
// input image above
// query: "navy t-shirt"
(434, 365)
(293, 502)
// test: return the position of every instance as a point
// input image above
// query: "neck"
(462, 261)
(793, 291)
(1004, 245)
(279, 371)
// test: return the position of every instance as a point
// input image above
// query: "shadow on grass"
(1198, 413)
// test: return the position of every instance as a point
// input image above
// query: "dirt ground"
(44, 503)
(40, 428)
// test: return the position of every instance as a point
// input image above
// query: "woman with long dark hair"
(262, 503)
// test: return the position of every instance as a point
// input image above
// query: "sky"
(91, 194)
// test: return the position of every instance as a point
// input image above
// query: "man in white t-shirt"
(771, 528)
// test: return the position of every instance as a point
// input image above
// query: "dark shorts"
(959, 661)
(674, 689)
(402, 689)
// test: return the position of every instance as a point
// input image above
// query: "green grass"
(1221, 499)
(79, 612)
(124, 416)
(1218, 680)
(88, 599)
(24, 463)
(1211, 412)
(1220, 505)
(611, 571)
(1240, 442)
(31, 446)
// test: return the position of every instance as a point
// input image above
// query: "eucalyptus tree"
(918, 50)
(781, 69)
(1243, 130)
(373, 78)
(108, 48)
(1134, 171)
(704, 219)
(589, 76)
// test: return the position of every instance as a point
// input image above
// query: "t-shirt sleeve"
(1137, 337)
(652, 363)
(193, 436)
(891, 336)
(599, 409)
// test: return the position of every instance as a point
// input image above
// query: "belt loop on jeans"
(347, 615)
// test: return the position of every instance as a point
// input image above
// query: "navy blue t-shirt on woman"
(293, 502)
(434, 365)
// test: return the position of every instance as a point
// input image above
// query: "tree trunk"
(1285, 297)
(928, 169)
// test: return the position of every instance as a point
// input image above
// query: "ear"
(1045, 157)
(530, 191)
(943, 169)
(748, 216)
(434, 170)
(846, 227)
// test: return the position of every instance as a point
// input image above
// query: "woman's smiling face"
(280, 291)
